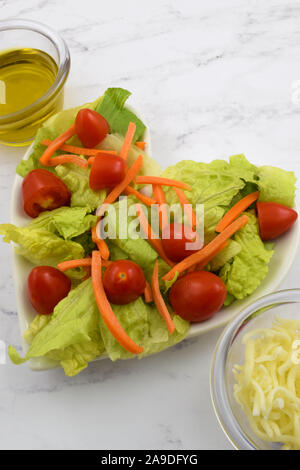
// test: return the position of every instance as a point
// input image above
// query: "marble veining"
(211, 79)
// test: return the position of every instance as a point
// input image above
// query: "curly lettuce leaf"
(39, 246)
(70, 335)
(277, 185)
(112, 107)
(250, 266)
(67, 222)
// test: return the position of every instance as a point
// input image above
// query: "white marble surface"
(211, 79)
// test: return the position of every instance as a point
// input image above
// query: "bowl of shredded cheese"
(255, 375)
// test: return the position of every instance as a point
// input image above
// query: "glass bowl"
(19, 128)
(230, 351)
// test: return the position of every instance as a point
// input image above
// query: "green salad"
(65, 185)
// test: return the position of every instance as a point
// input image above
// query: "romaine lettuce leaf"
(250, 266)
(77, 180)
(212, 184)
(231, 250)
(76, 334)
(115, 142)
(67, 222)
(70, 335)
(118, 117)
(125, 237)
(39, 246)
(145, 326)
(276, 185)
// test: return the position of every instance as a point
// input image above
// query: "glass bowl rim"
(219, 397)
(63, 66)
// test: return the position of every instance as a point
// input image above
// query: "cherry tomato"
(46, 287)
(43, 191)
(197, 296)
(123, 281)
(274, 219)
(90, 127)
(107, 171)
(175, 238)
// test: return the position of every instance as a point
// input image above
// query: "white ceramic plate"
(285, 251)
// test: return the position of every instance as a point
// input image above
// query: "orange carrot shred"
(102, 246)
(141, 145)
(148, 293)
(159, 301)
(187, 207)
(74, 263)
(128, 140)
(62, 159)
(210, 248)
(55, 144)
(78, 150)
(106, 311)
(161, 181)
(159, 196)
(236, 210)
(151, 236)
(201, 265)
(115, 193)
(145, 199)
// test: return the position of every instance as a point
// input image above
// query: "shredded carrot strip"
(144, 199)
(159, 301)
(152, 238)
(161, 181)
(91, 160)
(74, 263)
(159, 196)
(102, 246)
(88, 272)
(148, 293)
(236, 210)
(115, 193)
(61, 159)
(128, 140)
(141, 145)
(106, 311)
(79, 263)
(201, 265)
(210, 248)
(78, 150)
(55, 144)
(187, 207)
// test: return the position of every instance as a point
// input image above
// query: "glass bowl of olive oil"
(34, 66)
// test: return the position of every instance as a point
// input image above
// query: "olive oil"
(25, 76)
(29, 93)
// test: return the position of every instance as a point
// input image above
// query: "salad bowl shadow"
(284, 254)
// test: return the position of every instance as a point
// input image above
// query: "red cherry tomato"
(90, 127)
(107, 171)
(43, 191)
(46, 287)
(175, 238)
(274, 219)
(197, 296)
(123, 281)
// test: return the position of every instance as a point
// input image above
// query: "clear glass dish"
(230, 351)
(19, 128)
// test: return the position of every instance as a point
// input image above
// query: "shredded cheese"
(268, 383)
